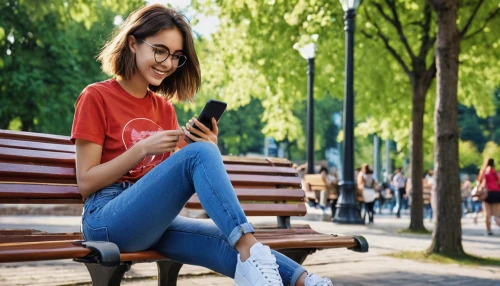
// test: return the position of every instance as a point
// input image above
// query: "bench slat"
(17, 158)
(36, 251)
(71, 192)
(314, 180)
(31, 172)
(30, 235)
(266, 209)
(243, 169)
(52, 250)
(261, 180)
(29, 192)
(40, 146)
(37, 157)
(66, 175)
(65, 140)
(35, 137)
(293, 195)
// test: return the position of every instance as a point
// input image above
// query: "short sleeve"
(89, 122)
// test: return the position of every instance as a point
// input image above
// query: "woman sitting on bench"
(136, 183)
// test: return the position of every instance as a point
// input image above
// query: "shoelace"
(269, 269)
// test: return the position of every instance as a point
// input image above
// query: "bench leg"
(106, 276)
(284, 222)
(167, 272)
(297, 255)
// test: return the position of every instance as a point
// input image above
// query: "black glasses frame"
(169, 54)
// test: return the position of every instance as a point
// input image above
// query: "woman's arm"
(361, 181)
(92, 176)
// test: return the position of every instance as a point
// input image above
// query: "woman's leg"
(369, 211)
(487, 215)
(200, 242)
(495, 211)
(323, 201)
(136, 218)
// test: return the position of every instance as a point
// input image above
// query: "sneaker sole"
(240, 281)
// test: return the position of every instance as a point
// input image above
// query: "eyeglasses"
(162, 54)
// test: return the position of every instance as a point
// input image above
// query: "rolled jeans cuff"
(239, 231)
(296, 274)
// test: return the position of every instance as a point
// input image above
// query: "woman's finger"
(202, 127)
(196, 131)
(215, 128)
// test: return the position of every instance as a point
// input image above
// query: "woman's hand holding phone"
(205, 134)
(161, 142)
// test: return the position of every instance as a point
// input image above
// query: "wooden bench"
(314, 184)
(40, 169)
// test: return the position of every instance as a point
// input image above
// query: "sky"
(205, 26)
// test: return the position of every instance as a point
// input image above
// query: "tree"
(420, 69)
(447, 234)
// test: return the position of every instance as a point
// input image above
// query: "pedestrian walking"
(488, 183)
(399, 182)
(368, 184)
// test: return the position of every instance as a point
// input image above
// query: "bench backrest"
(40, 169)
(316, 182)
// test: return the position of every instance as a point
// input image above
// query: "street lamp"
(347, 209)
(308, 52)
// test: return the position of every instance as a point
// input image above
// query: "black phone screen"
(213, 109)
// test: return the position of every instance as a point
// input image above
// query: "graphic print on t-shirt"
(136, 130)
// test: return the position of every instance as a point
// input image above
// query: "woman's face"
(165, 41)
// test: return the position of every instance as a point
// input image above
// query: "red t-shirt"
(108, 115)
(492, 180)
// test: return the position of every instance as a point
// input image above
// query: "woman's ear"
(132, 44)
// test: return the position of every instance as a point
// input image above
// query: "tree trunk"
(421, 80)
(447, 234)
(416, 158)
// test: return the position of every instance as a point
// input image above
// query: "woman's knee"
(202, 148)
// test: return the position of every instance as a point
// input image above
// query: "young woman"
(491, 205)
(135, 176)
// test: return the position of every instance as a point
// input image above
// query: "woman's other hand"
(161, 142)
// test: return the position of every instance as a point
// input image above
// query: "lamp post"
(347, 209)
(308, 52)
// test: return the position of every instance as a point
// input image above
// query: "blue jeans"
(144, 215)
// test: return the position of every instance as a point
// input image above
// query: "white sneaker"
(314, 280)
(260, 269)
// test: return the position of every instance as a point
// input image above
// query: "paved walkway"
(342, 266)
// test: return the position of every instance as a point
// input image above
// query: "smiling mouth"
(157, 71)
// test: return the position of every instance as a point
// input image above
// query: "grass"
(465, 259)
(409, 231)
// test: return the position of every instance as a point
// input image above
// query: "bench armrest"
(103, 253)
(362, 244)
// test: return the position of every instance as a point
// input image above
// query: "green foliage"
(47, 59)
(468, 154)
(491, 150)
(255, 59)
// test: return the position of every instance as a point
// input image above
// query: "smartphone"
(213, 108)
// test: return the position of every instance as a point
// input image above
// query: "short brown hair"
(117, 59)
(365, 168)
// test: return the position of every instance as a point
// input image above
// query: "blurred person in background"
(488, 178)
